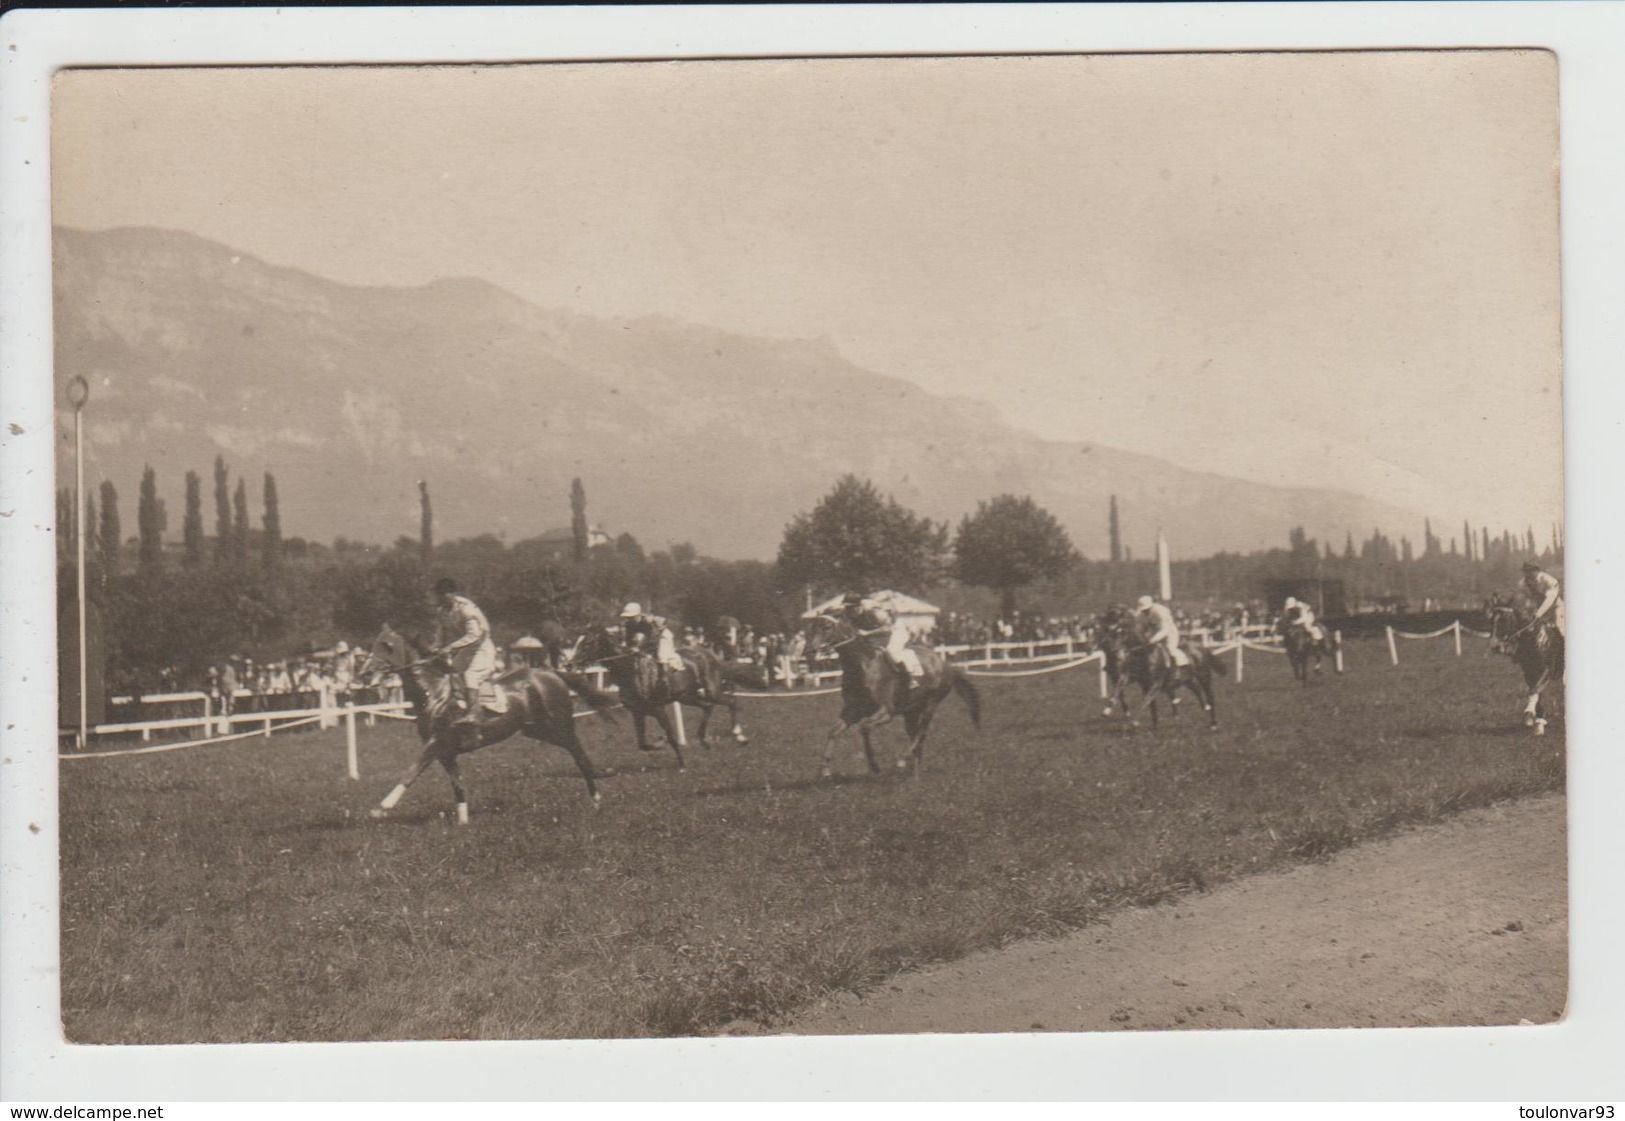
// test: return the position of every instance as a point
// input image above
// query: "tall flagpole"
(79, 394)
(1165, 576)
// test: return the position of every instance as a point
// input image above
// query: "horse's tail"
(967, 691)
(1211, 660)
(599, 700)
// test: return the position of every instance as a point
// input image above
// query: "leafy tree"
(272, 543)
(1116, 531)
(192, 526)
(684, 553)
(855, 538)
(110, 531)
(578, 519)
(151, 519)
(627, 546)
(239, 526)
(223, 550)
(1007, 544)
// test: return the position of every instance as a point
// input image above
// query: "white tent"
(919, 616)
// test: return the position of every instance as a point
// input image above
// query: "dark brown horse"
(1303, 650)
(647, 691)
(1537, 650)
(873, 691)
(538, 704)
(1131, 659)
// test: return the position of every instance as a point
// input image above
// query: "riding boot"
(471, 706)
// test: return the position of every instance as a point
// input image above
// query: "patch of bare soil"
(1461, 923)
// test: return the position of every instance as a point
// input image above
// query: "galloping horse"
(704, 684)
(871, 689)
(1535, 649)
(1130, 658)
(537, 704)
(1302, 648)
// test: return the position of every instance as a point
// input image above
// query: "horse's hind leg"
(705, 708)
(565, 736)
(453, 772)
(662, 715)
(918, 724)
(393, 798)
(733, 712)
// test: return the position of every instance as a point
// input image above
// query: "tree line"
(249, 590)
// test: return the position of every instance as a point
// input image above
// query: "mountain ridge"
(680, 431)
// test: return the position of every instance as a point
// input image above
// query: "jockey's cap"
(1531, 566)
(1291, 601)
(445, 586)
(852, 597)
(342, 648)
(1143, 602)
(631, 611)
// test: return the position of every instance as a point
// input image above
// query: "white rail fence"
(1454, 629)
(989, 659)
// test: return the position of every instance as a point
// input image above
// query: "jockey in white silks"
(463, 635)
(652, 627)
(1300, 614)
(1167, 633)
(874, 619)
(1545, 597)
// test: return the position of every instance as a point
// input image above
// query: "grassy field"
(240, 893)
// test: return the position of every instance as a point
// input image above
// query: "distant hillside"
(679, 431)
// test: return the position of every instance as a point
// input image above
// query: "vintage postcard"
(1080, 437)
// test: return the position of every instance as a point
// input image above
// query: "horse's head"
(828, 632)
(596, 644)
(387, 654)
(1507, 623)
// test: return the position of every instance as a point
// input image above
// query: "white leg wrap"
(462, 813)
(394, 797)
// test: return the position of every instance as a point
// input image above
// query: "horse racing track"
(241, 893)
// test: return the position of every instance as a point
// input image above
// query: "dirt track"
(1452, 924)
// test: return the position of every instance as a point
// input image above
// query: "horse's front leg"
(835, 732)
(453, 772)
(733, 713)
(705, 708)
(662, 715)
(640, 729)
(393, 798)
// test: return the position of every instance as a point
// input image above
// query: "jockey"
(874, 619)
(1167, 632)
(1300, 614)
(463, 635)
(641, 627)
(1545, 597)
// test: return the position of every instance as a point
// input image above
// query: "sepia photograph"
(747, 548)
(863, 545)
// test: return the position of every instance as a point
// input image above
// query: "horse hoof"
(597, 800)
(377, 814)
(1107, 711)
(605, 772)
(826, 773)
(1528, 720)
(649, 747)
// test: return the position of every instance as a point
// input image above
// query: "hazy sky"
(1329, 269)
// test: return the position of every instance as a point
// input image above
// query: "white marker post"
(1105, 686)
(1456, 627)
(1337, 652)
(677, 724)
(349, 740)
(1241, 648)
(1393, 650)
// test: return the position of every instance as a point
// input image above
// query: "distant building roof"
(897, 603)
